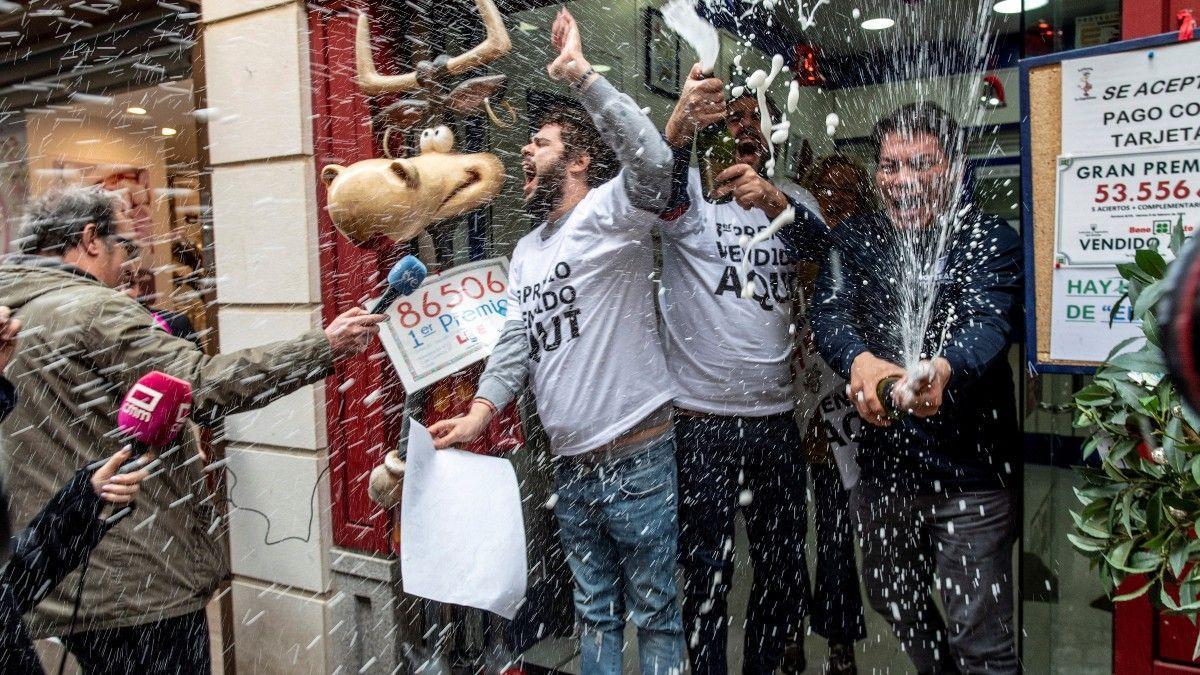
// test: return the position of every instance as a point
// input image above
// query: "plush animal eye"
(426, 143)
(438, 139)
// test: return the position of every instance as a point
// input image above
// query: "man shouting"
(586, 338)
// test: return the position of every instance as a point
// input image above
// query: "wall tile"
(256, 69)
(216, 10)
(279, 631)
(279, 485)
(264, 224)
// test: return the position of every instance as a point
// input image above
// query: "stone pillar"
(256, 56)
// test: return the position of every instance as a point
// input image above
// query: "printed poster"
(453, 320)
(1132, 101)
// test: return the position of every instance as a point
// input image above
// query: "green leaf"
(1130, 393)
(1167, 601)
(1134, 594)
(1116, 308)
(1085, 543)
(1119, 554)
(1142, 562)
(1151, 263)
(1120, 346)
(1148, 360)
(1150, 297)
(1178, 558)
(1132, 272)
(1177, 236)
(1173, 434)
(1150, 329)
(1094, 394)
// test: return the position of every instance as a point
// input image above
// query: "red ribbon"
(1187, 24)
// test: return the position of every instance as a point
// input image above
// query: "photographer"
(85, 345)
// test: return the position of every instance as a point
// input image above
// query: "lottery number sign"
(453, 320)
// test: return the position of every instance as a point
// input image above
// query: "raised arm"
(643, 153)
(701, 103)
(807, 236)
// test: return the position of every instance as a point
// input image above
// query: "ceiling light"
(601, 68)
(135, 110)
(881, 23)
(168, 131)
(1015, 6)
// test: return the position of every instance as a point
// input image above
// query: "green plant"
(1141, 507)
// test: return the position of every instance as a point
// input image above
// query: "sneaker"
(793, 659)
(841, 659)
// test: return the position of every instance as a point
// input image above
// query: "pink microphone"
(154, 410)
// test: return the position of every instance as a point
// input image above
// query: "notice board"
(1110, 152)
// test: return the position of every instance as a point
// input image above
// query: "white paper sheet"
(462, 535)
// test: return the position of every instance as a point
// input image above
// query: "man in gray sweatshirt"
(586, 337)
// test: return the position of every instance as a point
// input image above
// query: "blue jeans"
(619, 527)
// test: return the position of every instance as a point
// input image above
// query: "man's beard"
(548, 193)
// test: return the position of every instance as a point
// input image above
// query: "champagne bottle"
(715, 151)
(884, 391)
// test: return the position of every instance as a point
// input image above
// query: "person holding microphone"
(62, 534)
(86, 344)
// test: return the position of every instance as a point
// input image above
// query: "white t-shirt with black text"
(596, 362)
(727, 355)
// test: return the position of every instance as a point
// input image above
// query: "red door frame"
(359, 433)
(1143, 18)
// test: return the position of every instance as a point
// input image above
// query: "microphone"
(154, 410)
(404, 278)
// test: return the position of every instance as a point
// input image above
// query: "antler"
(495, 45)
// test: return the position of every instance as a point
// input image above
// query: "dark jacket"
(57, 540)
(974, 441)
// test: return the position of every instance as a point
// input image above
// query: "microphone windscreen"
(155, 408)
(406, 275)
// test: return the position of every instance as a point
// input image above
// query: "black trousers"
(178, 646)
(837, 606)
(754, 463)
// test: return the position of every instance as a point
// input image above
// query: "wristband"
(491, 406)
(584, 78)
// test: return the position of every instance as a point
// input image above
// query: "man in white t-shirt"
(586, 338)
(729, 358)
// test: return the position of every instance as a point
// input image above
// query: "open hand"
(462, 429)
(120, 488)
(9, 328)
(352, 331)
(865, 374)
(750, 190)
(701, 103)
(570, 65)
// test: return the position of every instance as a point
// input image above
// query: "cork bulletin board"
(1041, 144)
